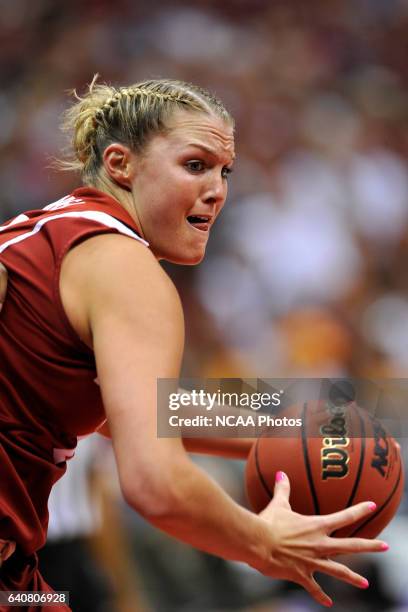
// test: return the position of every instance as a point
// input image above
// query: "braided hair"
(129, 115)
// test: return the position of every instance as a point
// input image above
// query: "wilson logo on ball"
(340, 456)
(334, 456)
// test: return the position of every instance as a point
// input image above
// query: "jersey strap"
(92, 215)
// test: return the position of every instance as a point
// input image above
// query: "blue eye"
(195, 166)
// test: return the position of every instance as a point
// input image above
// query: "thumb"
(282, 490)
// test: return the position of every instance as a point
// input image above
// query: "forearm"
(203, 515)
(230, 448)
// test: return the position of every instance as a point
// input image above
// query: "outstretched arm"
(135, 326)
(230, 448)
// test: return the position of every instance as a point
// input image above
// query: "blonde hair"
(129, 115)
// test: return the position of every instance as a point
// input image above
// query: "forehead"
(188, 128)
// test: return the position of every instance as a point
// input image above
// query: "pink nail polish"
(385, 546)
(364, 583)
(372, 506)
(280, 476)
(329, 603)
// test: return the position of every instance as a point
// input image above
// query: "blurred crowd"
(305, 272)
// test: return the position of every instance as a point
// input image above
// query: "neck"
(122, 195)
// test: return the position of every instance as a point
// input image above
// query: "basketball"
(338, 456)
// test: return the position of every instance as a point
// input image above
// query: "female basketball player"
(91, 322)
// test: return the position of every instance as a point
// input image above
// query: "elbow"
(155, 499)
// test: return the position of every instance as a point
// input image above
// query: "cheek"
(175, 197)
(165, 211)
(165, 200)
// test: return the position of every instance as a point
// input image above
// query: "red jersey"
(48, 390)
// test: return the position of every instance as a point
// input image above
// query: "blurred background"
(305, 273)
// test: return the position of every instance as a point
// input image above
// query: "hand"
(301, 545)
(7, 547)
(3, 286)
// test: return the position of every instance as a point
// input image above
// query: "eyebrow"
(206, 149)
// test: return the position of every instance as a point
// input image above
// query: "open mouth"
(200, 222)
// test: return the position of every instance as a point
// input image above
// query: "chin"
(185, 259)
(195, 261)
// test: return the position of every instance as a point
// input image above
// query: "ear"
(117, 161)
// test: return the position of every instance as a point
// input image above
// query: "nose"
(215, 190)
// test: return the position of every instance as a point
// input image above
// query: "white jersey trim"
(92, 215)
(18, 219)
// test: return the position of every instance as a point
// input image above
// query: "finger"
(342, 546)
(281, 491)
(3, 284)
(7, 547)
(348, 516)
(314, 589)
(11, 549)
(341, 572)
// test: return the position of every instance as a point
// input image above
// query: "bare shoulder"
(114, 274)
(117, 255)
